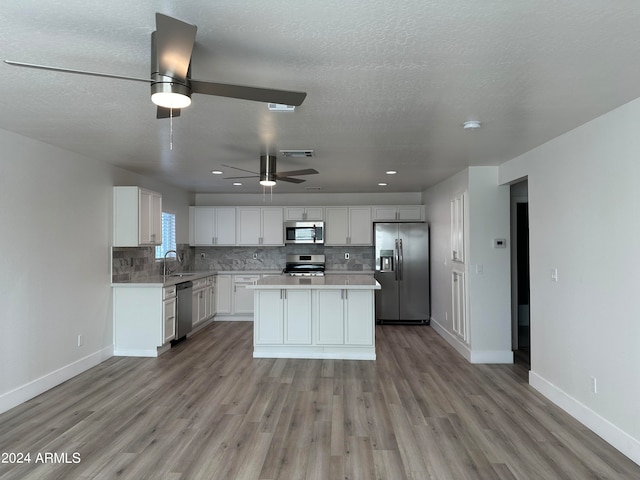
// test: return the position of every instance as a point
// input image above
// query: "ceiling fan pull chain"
(171, 129)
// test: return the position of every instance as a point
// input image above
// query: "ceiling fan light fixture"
(267, 183)
(170, 95)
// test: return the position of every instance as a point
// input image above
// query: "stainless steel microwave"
(304, 232)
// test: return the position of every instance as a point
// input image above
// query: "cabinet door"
(329, 317)
(294, 213)
(156, 218)
(272, 226)
(243, 297)
(385, 214)
(410, 213)
(248, 225)
(169, 324)
(223, 294)
(203, 225)
(225, 226)
(314, 213)
(359, 327)
(145, 218)
(297, 317)
(269, 317)
(360, 226)
(336, 225)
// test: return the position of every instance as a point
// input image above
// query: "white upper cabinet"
(212, 226)
(348, 226)
(304, 213)
(137, 217)
(398, 213)
(260, 226)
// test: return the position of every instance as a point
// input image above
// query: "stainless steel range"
(305, 265)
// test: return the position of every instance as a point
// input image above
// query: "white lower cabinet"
(314, 323)
(243, 297)
(344, 317)
(199, 305)
(268, 329)
(223, 294)
(169, 314)
(297, 317)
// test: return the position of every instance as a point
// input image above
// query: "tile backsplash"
(273, 258)
(135, 263)
(129, 263)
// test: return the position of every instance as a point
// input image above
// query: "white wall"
(312, 199)
(584, 220)
(486, 268)
(55, 212)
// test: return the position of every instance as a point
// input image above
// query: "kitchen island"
(315, 317)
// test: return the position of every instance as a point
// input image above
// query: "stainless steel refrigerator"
(402, 268)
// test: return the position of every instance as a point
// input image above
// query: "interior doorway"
(520, 303)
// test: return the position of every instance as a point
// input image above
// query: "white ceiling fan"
(171, 83)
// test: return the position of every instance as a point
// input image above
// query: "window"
(168, 235)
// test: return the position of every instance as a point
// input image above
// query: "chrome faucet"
(165, 272)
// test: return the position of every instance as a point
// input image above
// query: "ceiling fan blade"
(174, 45)
(241, 169)
(295, 173)
(166, 112)
(256, 94)
(289, 179)
(72, 70)
(247, 176)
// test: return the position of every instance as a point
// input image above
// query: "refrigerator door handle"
(401, 258)
(397, 259)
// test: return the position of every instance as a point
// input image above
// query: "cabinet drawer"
(246, 279)
(200, 283)
(169, 292)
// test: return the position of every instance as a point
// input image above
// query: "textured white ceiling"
(389, 84)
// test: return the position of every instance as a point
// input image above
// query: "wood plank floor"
(207, 410)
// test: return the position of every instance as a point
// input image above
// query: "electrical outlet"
(594, 385)
(202, 255)
(255, 256)
(346, 256)
(80, 340)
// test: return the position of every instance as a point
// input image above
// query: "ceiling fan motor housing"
(268, 167)
(165, 84)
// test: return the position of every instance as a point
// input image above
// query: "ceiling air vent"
(297, 153)
(279, 107)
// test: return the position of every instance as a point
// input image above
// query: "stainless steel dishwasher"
(184, 309)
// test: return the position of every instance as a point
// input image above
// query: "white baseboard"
(451, 339)
(40, 385)
(618, 438)
(135, 352)
(472, 356)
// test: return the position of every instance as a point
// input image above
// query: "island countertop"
(351, 282)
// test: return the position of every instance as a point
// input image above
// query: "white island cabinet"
(315, 317)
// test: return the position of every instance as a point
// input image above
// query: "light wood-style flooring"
(208, 410)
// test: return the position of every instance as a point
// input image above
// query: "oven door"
(304, 232)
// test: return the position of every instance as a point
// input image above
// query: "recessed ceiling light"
(279, 107)
(216, 172)
(382, 184)
(471, 125)
(391, 172)
(237, 184)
